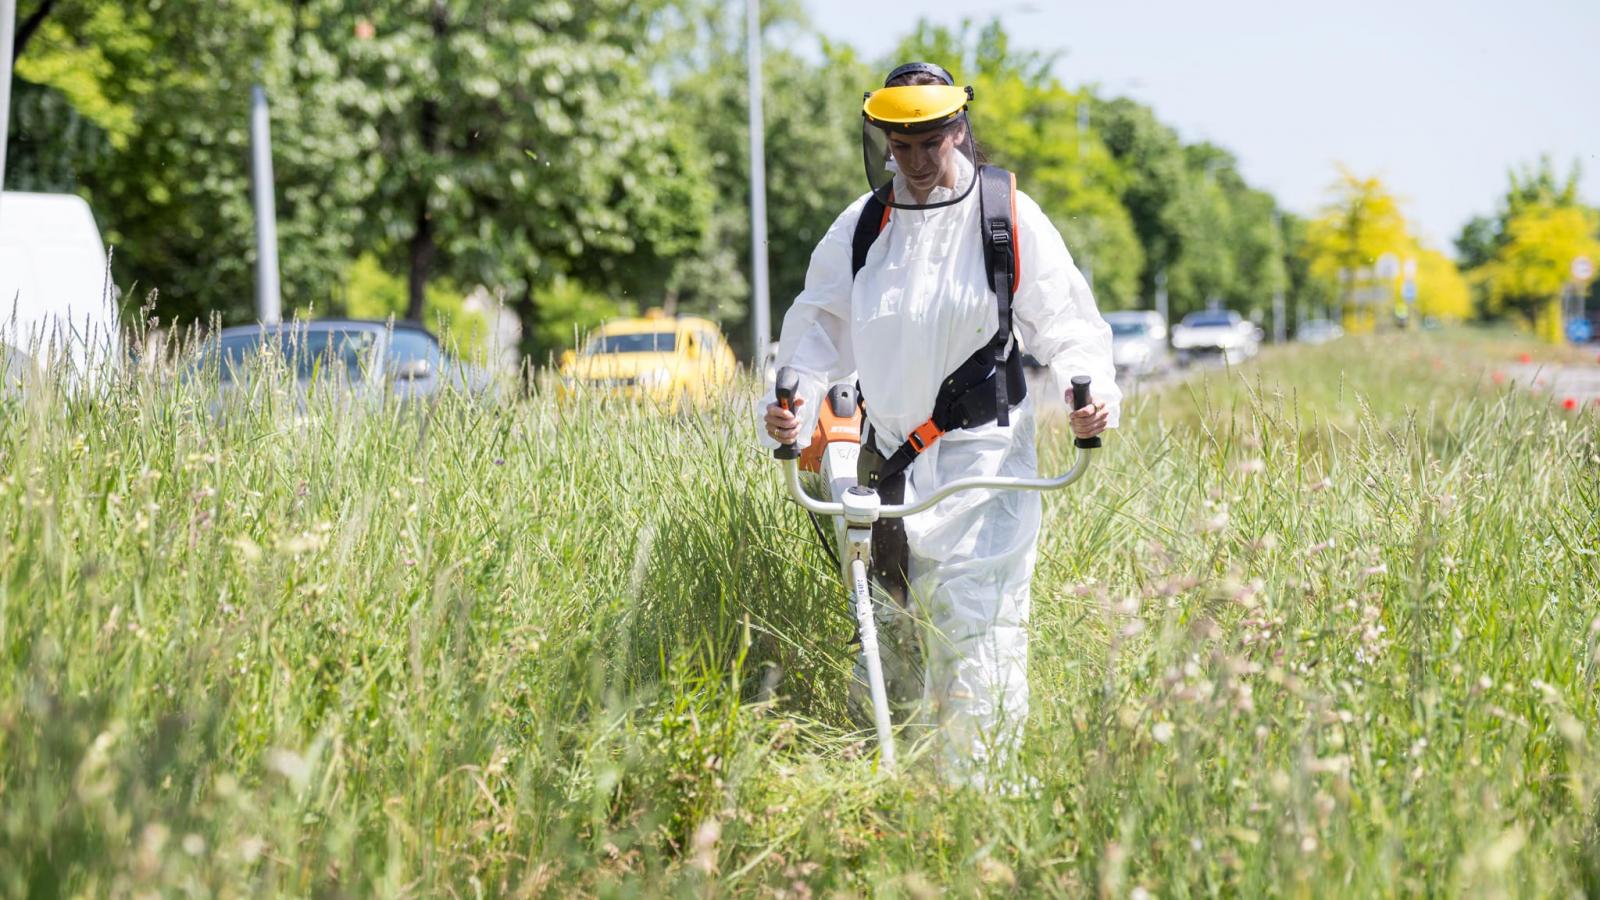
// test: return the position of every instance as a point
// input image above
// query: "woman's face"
(926, 159)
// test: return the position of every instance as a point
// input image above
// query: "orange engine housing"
(839, 421)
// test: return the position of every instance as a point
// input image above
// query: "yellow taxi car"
(668, 359)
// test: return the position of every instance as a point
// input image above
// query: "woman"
(921, 307)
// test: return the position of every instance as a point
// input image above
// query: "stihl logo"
(842, 429)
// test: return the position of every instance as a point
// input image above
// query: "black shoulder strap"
(873, 217)
(997, 211)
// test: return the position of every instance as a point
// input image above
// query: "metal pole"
(1083, 123)
(761, 303)
(1161, 298)
(1280, 329)
(268, 301)
(8, 25)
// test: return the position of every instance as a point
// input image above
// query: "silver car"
(1138, 343)
(345, 355)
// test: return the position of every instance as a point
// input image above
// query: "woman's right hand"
(783, 425)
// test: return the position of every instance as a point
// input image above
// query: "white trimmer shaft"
(868, 626)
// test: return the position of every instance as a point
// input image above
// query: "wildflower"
(1314, 549)
(704, 846)
(1162, 732)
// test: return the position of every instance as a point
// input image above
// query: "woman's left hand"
(1090, 420)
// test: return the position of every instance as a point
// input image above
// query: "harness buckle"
(923, 435)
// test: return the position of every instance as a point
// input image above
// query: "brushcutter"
(855, 508)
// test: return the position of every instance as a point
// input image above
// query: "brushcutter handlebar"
(1080, 399)
(788, 384)
(1080, 464)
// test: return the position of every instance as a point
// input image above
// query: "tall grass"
(1325, 624)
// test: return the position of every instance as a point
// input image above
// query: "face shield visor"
(917, 144)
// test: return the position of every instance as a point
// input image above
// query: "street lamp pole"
(269, 304)
(8, 24)
(1280, 330)
(761, 312)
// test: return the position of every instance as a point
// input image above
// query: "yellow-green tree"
(1442, 290)
(1533, 266)
(1361, 224)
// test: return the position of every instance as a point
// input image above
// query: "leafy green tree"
(1505, 279)
(173, 192)
(1215, 238)
(1533, 265)
(516, 142)
(812, 116)
(51, 143)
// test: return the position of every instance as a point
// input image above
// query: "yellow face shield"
(915, 107)
(917, 144)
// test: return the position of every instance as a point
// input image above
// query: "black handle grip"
(1080, 399)
(787, 385)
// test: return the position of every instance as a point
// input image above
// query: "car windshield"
(320, 352)
(1124, 328)
(639, 342)
(408, 344)
(1209, 320)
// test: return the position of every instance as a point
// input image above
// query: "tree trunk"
(29, 26)
(423, 246)
(423, 250)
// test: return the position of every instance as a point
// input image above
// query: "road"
(1579, 384)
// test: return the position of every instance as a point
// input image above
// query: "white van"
(57, 303)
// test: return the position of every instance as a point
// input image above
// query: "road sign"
(1409, 290)
(1388, 267)
(1410, 269)
(1579, 330)
(1582, 268)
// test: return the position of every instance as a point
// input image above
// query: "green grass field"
(1328, 624)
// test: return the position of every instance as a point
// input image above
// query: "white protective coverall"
(921, 305)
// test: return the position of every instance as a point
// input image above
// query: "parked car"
(1138, 343)
(1318, 331)
(656, 357)
(58, 306)
(1216, 333)
(359, 356)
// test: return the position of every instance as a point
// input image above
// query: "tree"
(1442, 291)
(517, 143)
(173, 190)
(813, 158)
(1511, 271)
(1362, 223)
(1533, 265)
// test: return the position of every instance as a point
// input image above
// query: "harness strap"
(967, 398)
(874, 216)
(997, 213)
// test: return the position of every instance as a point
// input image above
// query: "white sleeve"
(815, 340)
(1055, 314)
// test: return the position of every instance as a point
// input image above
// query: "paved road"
(1579, 384)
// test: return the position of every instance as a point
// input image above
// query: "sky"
(1438, 99)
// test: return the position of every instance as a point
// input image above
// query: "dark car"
(355, 355)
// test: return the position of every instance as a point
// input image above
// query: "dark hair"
(927, 77)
